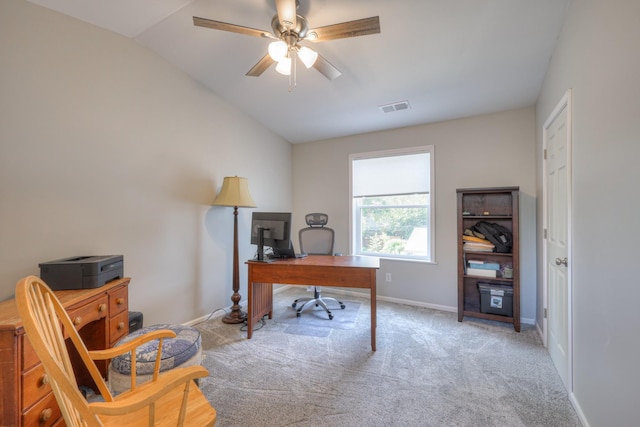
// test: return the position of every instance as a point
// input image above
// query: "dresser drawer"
(118, 300)
(118, 327)
(43, 414)
(92, 311)
(29, 356)
(35, 385)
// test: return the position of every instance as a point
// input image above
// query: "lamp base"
(235, 317)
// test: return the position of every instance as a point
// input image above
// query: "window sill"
(419, 261)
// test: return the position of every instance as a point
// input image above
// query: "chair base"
(316, 301)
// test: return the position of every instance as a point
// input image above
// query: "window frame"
(354, 218)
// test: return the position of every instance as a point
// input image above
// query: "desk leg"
(373, 309)
(260, 302)
(250, 307)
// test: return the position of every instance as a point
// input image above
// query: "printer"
(82, 272)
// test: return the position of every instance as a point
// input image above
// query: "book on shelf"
(481, 272)
(475, 239)
(474, 249)
(484, 265)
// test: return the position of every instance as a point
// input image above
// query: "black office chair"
(316, 239)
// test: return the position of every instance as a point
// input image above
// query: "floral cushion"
(175, 351)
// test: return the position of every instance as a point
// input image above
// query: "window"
(392, 210)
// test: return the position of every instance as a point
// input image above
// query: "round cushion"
(183, 350)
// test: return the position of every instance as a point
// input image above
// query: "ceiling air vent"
(396, 106)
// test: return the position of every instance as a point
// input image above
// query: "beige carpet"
(429, 370)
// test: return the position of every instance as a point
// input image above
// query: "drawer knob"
(120, 301)
(45, 415)
(120, 326)
(77, 320)
(44, 380)
(102, 308)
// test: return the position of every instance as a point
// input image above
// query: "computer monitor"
(276, 231)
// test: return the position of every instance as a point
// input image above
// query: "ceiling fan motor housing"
(300, 30)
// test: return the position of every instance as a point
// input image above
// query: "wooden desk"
(316, 270)
(26, 399)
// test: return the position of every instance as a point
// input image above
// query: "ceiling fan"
(289, 29)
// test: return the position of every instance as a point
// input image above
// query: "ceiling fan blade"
(219, 25)
(326, 68)
(359, 27)
(287, 13)
(261, 66)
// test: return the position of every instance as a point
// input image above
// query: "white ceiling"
(448, 58)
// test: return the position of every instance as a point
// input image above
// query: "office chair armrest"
(150, 392)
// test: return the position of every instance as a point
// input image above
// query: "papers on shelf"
(466, 238)
(478, 247)
(482, 265)
(481, 272)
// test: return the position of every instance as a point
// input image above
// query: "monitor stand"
(260, 256)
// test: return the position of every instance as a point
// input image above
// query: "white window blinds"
(391, 175)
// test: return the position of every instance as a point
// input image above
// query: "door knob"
(564, 261)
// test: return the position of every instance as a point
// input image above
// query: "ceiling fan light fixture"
(307, 56)
(278, 50)
(289, 29)
(284, 66)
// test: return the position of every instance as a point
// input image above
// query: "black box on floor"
(496, 299)
(135, 321)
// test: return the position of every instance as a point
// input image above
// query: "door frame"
(565, 102)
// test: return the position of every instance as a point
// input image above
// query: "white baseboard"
(222, 311)
(342, 291)
(576, 406)
(540, 332)
(419, 304)
(527, 321)
(439, 307)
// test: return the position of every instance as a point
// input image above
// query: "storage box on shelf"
(478, 264)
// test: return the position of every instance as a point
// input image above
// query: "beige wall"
(107, 149)
(483, 151)
(597, 57)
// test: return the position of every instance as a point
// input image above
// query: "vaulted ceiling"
(448, 58)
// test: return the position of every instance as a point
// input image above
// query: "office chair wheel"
(298, 314)
(330, 316)
(294, 304)
(342, 306)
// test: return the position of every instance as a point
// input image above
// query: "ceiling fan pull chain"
(292, 74)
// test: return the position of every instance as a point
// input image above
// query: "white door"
(557, 140)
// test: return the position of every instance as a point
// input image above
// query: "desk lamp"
(235, 193)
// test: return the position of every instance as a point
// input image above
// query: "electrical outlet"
(388, 277)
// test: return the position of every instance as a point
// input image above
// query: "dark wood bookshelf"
(501, 206)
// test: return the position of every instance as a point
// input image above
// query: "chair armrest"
(110, 353)
(148, 393)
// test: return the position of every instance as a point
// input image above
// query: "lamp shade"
(307, 56)
(278, 50)
(235, 192)
(284, 66)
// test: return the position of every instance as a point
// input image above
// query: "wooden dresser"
(26, 400)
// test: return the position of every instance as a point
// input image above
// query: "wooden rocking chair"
(170, 399)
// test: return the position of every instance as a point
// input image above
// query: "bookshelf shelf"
(489, 279)
(481, 217)
(502, 207)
